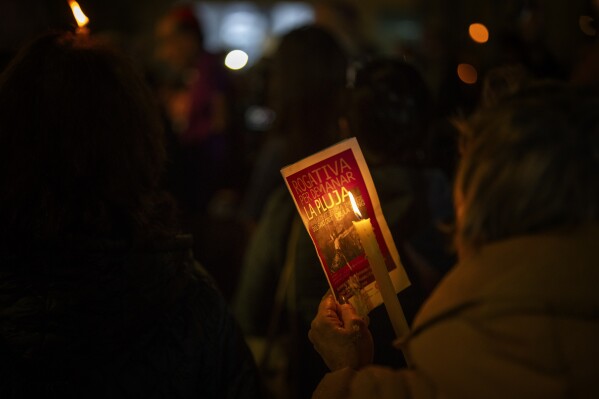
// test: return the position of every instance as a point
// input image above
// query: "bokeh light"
(467, 73)
(236, 59)
(479, 33)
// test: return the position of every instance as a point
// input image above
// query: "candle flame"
(354, 205)
(80, 17)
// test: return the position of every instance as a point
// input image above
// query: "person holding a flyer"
(517, 316)
(401, 199)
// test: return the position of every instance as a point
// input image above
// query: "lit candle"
(379, 270)
(80, 17)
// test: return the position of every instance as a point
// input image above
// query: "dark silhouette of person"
(306, 81)
(308, 78)
(195, 93)
(100, 295)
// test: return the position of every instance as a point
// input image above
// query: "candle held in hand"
(379, 270)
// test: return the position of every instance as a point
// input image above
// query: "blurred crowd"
(193, 186)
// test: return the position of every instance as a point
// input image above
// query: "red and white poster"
(320, 186)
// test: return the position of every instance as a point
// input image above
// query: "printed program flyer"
(320, 185)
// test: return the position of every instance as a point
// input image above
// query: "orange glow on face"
(467, 73)
(80, 17)
(479, 33)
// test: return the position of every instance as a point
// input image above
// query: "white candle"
(379, 270)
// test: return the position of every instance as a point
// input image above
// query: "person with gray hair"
(517, 316)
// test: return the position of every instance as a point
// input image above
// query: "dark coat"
(96, 318)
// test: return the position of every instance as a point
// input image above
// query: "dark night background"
(442, 24)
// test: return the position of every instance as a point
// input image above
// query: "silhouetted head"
(503, 81)
(388, 110)
(308, 78)
(81, 143)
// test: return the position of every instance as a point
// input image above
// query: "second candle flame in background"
(80, 17)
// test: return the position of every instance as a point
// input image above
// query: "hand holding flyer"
(323, 187)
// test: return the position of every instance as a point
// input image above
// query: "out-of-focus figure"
(307, 83)
(307, 78)
(193, 88)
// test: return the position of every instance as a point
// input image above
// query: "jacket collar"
(557, 270)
